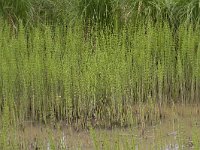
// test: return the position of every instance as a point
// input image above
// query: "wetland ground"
(179, 129)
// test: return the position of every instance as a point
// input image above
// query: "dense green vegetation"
(88, 63)
(56, 73)
(105, 12)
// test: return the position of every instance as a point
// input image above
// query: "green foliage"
(49, 75)
(103, 13)
(96, 11)
(5, 127)
(14, 11)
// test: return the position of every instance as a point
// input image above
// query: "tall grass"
(81, 76)
(50, 74)
(105, 12)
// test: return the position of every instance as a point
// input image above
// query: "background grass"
(103, 13)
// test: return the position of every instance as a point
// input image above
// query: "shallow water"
(179, 130)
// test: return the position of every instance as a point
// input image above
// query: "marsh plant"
(49, 74)
(85, 65)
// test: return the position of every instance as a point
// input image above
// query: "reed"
(87, 78)
(48, 78)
